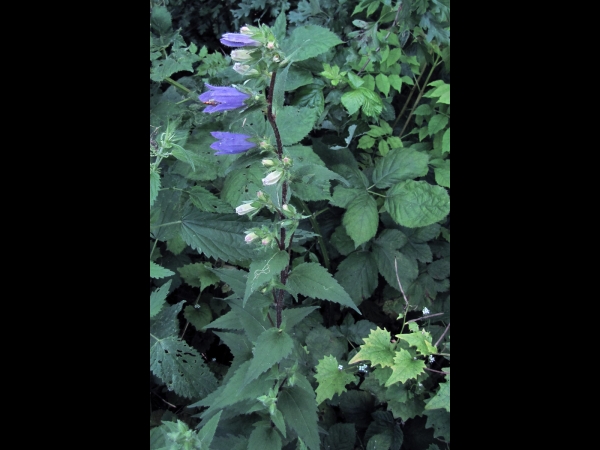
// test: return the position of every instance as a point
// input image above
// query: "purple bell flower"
(230, 143)
(222, 99)
(238, 40)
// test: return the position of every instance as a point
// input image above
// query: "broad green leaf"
(293, 316)
(297, 123)
(199, 315)
(309, 41)
(361, 219)
(437, 123)
(322, 342)
(383, 84)
(342, 436)
(154, 186)
(264, 437)
(264, 270)
(421, 340)
(299, 407)
(378, 349)
(442, 174)
(181, 368)
(158, 272)
(271, 347)
(358, 275)
(379, 441)
(439, 420)
(331, 380)
(387, 259)
(207, 433)
(158, 299)
(208, 202)
(416, 204)
(405, 368)
(441, 399)
(242, 184)
(400, 165)
(198, 275)
(353, 100)
(446, 142)
(313, 182)
(216, 235)
(313, 280)
(395, 82)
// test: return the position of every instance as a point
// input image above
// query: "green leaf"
(293, 316)
(437, 123)
(446, 142)
(297, 123)
(358, 275)
(342, 436)
(216, 235)
(439, 420)
(198, 275)
(271, 347)
(383, 84)
(400, 165)
(154, 187)
(361, 219)
(379, 441)
(405, 367)
(441, 399)
(353, 100)
(378, 349)
(264, 437)
(416, 204)
(442, 174)
(181, 368)
(309, 41)
(158, 272)
(264, 270)
(299, 407)
(421, 340)
(208, 202)
(395, 82)
(158, 299)
(313, 280)
(207, 433)
(198, 316)
(242, 184)
(331, 380)
(387, 259)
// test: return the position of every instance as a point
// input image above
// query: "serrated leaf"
(342, 436)
(199, 317)
(446, 142)
(379, 441)
(298, 405)
(207, 432)
(331, 380)
(216, 235)
(422, 341)
(439, 420)
(264, 270)
(272, 346)
(405, 368)
(263, 437)
(377, 349)
(400, 165)
(158, 272)
(353, 100)
(208, 202)
(383, 84)
(293, 316)
(437, 123)
(181, 368)
(158, 299)
(154, 187)
(309, 41)
(358, 275)
(313, 280)
(361, 219)
(442, 174)
(416, 204)
(297, 123)
(441, 399)
(387, 259)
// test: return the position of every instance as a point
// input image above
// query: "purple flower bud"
(238, 40)
(222, 99)
(230, 143)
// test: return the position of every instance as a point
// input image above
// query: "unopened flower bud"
(244, 69)
(251, 237)
(272, 178)
(271, 45)
(268, 162)
(245, 209)
(240, 55)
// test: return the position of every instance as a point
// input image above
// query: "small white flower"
(272, 178)
(340, 367)
(250, 237)
(197, 306)
(364, 368)
(214, 359)
(432, 359)
(426, 311)
(246, 208)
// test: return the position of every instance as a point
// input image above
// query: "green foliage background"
(362, 358)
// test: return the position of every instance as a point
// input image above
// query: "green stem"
(167, 224)
(437, 61)
(409, 97)
(315, 225)
(153, 248)
(177, 85)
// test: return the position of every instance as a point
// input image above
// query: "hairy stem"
(177, 85)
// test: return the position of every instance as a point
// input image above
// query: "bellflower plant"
(284, 245)
(231, 143)
(222, 99)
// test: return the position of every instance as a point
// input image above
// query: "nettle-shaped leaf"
(158, 299)
(441, 400)
(331, 379)
(378, 349)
